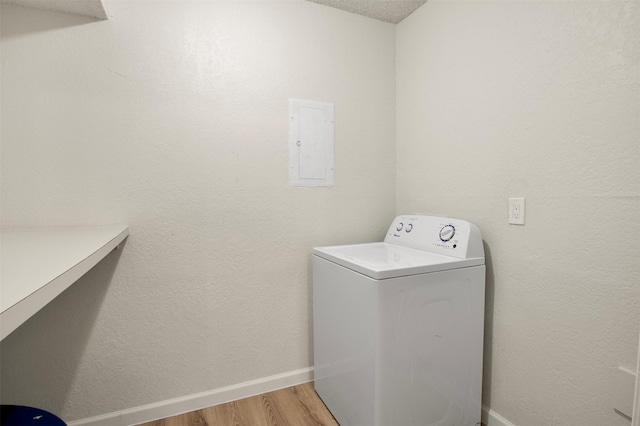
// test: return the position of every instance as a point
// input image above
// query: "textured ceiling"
(92, 8)
(392, 11)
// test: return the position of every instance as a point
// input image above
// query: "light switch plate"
(516, 211)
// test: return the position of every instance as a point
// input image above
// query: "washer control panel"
(453, 237)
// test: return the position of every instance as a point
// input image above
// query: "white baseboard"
(184, 404)
(491, 418)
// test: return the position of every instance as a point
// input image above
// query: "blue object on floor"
(18, 415)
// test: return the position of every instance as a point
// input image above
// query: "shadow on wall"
(488, 328)
(46, 351)
(40, 21)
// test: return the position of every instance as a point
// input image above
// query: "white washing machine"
(398, 325)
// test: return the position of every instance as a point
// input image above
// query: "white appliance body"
(398, 326)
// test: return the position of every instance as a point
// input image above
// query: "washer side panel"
(344, 333)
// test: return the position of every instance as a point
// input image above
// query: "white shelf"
(90, 8)
(39, 264)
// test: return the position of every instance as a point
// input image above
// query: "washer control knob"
(399, 227)
(409, 227)
(447, 232)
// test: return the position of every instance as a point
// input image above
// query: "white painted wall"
(538, 100)
(172, 117)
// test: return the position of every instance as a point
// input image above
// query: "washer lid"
(383, 260)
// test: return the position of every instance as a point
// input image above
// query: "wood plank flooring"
(294, 406)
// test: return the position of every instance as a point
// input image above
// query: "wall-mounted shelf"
(39, 264)
(90, 8)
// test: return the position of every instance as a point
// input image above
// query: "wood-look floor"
(294, 406)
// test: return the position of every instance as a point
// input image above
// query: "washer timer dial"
(447, 232)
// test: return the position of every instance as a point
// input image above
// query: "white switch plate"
(516, 211)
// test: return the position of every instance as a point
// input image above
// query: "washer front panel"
(403, 351)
